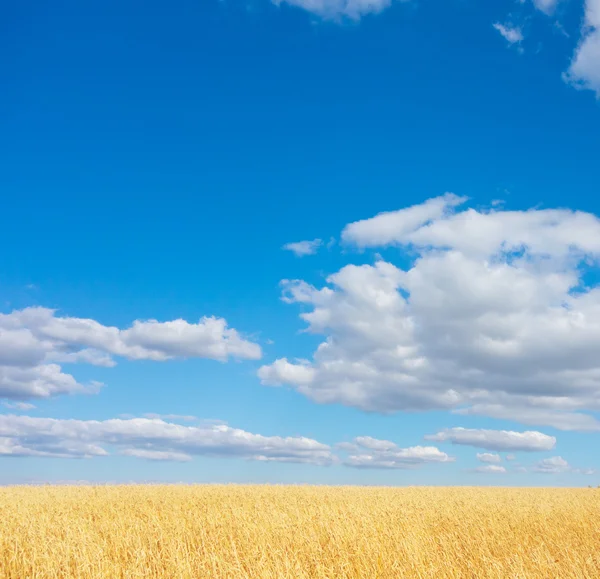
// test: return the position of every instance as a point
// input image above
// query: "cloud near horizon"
(499, 440)
(151, 439)
(368, 452)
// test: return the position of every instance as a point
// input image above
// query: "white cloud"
(385, 228)
(490, 469)
(282, 371)
(385, 454)
(510, 457)
(374, 443)
(488, 457)
(33, 340)
(152, 439)
(500, 440)
(584, 71)
(558, 465)
(545, 6)
(554, 465)
(335, 9)
(512, 34)
(302, 248)
(490, 316)
(40, 381)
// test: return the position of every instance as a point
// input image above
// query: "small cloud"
(489, 457)
(499, 440)
(490, 469)
(374, 453)
(18, 405)
(302, 248)
(338, 10)
(545, 6)
(31, 286)
(157, 454)
(175, 417)
(512, 34)
(510, 457)
(558, 465)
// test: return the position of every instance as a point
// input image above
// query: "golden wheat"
(280, 532)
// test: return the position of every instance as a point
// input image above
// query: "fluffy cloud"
(369, 452)
(490, 469)
(392, 226)
(152, 439)
(492, 315)
(302, 248)
(501, 440)
(488, 457)
(335, 9)
(33, 340)
(512, 34)
(40, 381)
(283, 371)
(584, 71)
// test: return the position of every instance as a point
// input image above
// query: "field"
(280, 532)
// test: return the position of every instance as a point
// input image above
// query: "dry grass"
(283, 532)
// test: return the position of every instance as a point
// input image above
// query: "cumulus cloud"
(34, 340)
(336, 9)
(490, 469)
(282, 371)
(367, 452)
(302, 248)
(584, 71)
(491, 313)
(512, 34)
(488, 457)
(501, 440)
(151, 439)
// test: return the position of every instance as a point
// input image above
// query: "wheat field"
(279, 532)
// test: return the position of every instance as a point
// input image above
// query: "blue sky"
(155, 323)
